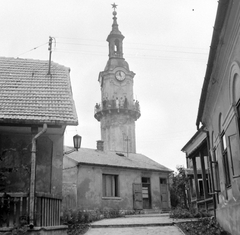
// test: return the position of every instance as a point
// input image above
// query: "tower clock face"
(120, 75)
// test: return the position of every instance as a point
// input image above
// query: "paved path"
(154, 224)
(155, 230)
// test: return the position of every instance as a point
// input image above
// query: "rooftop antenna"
(50, 53)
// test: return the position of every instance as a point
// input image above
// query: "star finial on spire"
(114, 6)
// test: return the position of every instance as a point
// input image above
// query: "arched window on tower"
(116, 47)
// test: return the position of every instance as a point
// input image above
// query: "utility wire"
(147, 49)
(134, 43)
(137, 55)
(32, 49)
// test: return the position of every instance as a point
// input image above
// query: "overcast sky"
(166, 44)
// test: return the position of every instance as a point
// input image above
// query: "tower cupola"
(115, 38)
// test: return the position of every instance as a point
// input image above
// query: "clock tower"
(117, 111)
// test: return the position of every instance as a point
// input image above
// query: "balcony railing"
(48, 210)
(15, 207)
(113, 106)
(206, 204)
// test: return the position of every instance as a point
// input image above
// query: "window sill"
(111, 198)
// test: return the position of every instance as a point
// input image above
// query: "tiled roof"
(29, 95)
(133, 160)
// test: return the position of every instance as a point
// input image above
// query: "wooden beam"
(195, 176)
(205, 192)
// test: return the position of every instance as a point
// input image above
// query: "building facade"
(95, 179)
(114, 176)
(218, 114)
(35, 109)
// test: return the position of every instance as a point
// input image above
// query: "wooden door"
(137, 197)
(163, 193)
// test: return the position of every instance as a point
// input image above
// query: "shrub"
(78, 220)
(182, 213)
(178, 187)
(206, 226)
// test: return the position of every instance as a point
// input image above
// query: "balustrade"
(48, 209)
(119, 106)
(13, 207)
(206, 204)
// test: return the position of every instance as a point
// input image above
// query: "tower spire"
(117, 110)
(115, 37)
(115, 29)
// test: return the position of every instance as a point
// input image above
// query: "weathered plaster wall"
(229, 217)
(57, 164)
(44, 164)
(115, 130)
(69, 189)
(15, 161)
(15, 150)
(89, 187)
(220, 116)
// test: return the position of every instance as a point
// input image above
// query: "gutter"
(218, 26)
(33, 176)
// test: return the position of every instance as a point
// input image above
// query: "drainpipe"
(211, 173)
(33, 176)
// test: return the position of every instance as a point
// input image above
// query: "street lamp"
(77, 141)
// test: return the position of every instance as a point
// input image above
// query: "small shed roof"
(28, 94)
(132, 160)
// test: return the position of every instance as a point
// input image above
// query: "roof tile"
(28, 93)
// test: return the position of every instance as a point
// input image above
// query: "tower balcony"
(113, 107)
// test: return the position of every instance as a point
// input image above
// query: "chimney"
(100, 145)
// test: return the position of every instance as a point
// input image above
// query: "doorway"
(146, 195)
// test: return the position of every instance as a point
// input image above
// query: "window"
(163, 181)
(116, 47)
(145, 180)
(238, 114)
(225, 160)
(110, 185)
(200, 185)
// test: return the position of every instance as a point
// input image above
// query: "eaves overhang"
(219, 22)
(125, 167)
(194, 138)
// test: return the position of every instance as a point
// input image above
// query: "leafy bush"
(182, 213)
(206, 226)
(78, 220)
(178, 187)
